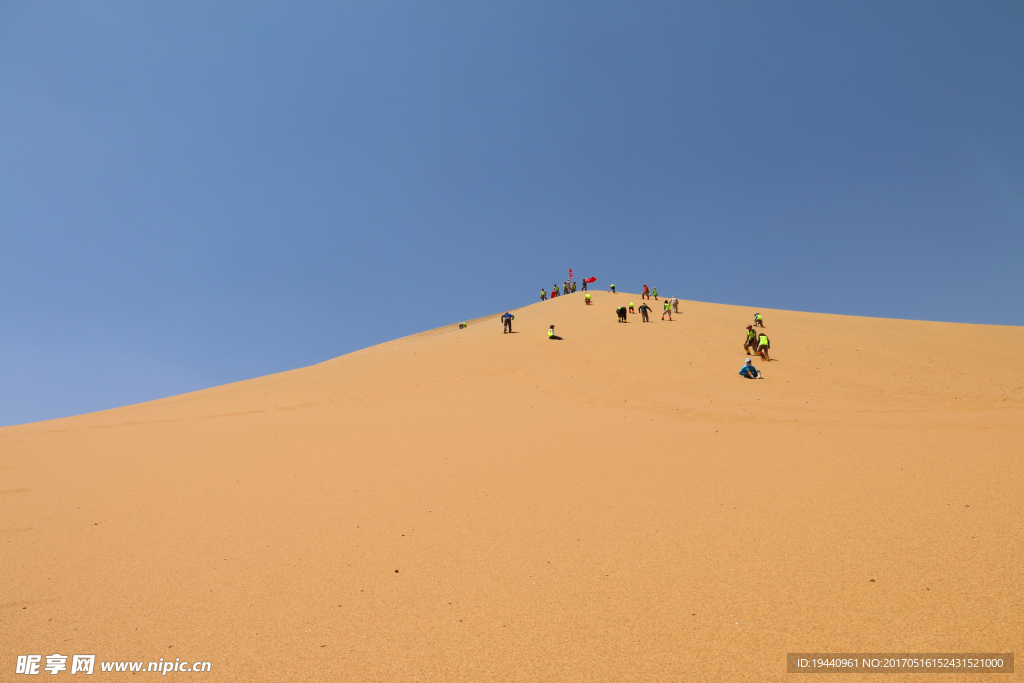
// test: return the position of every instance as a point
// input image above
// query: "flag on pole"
(570, 273)
(591, 279)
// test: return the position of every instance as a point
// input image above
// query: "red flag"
(570, 273)
(591, 279)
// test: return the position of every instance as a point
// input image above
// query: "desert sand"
(465, 505)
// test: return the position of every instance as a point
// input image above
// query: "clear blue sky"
(198, 193)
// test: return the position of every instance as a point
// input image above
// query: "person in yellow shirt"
(551, 333)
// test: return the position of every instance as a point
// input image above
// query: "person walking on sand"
(554, 291)
(612, 289)
(506, 323)
(655, 293)
(758, 320)
(552, 335)
(645, 310)
(763, 345)
(631, 307)
(751, 342)
(675, 305)
(646, 294)
(749, 371)
(586, 299)
(543, 295)
(667, 311)
(621, 312)
(584, 284)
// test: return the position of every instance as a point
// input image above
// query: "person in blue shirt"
(506, 322)
(749, 371)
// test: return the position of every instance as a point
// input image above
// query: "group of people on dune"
(568, 287)
(758, 341)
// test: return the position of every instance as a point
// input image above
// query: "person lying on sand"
(551, 333)
(749, 371)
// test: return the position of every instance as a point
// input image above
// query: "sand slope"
(465, 505)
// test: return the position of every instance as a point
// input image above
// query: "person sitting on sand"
(506, 323)
(763, 345)
(551, 333)
(749, 371)
(751, 340)
(645, 310)
(586, 299)
(758, 320)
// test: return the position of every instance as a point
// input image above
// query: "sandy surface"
(464, 505)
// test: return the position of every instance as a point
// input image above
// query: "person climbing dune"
(763, 345)
(645, 311)
(751, 342)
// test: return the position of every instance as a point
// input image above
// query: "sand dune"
(465, 505)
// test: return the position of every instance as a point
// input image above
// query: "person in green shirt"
(543, 295)
(763, 345)
(654, 291)
(668, 310)
(751, 342)
(758, 320)
(551, 333)
(587, 298)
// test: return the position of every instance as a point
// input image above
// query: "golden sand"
(465, 505)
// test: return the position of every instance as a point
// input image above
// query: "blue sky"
(199, 193)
